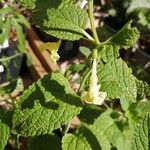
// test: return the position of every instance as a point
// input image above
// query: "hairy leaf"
(46, 105)
(104, 123)
(117, 81)
(141, 138)
(87, 138)
(108, 51)
(143, 90)
(4, 131)
(143, 107)
(75, 142)
(66, 22)
(45, 142)
(125, 38)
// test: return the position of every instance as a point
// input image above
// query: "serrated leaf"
(104, 123)
(75, 142)
(142, 108)
(141, 138)
(4, 131)
(138, 4)
(96, 138)
(143, 90)
(45, 142)
(87, 138)
(125, 38)
(117, 81)
(67, 22)
(108, 51)
(46, 105)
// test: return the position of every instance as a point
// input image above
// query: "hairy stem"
(84, 80)
(91, 16)
(66, 128)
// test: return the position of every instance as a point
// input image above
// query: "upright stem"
(91, 16)
(84, 80)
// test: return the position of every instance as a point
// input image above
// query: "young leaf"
(4, 131)
(45, 142)
(46, 105)
(67, 22)
(141, 138)
(117, 81)
(125, 38)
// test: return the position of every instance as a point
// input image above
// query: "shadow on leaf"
(49, 95)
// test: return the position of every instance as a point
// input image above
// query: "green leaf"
(16, 84)
(46, 105)
(104, 123)
(108, 126)
(142, 108)
(124, 140)
(136, 112)
(86, 138)
(117, 81)
(108, 51)
(4, 131)
(47, 4)
(141, 138)
(138, 4)
(20, 35)
(45, 142)
(143, 90)
(22, 20)
(27, 3)
(90, 113)
(85, 51)
(75, 142)
(67, 22)
(144, 17)
(125, 38)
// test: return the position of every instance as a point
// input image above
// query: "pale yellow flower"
(94, 96)
(52, 47)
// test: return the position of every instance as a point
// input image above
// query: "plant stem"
(88, 36)
(11, 57)
(91, 16)
(66, 128)
(83, 80)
